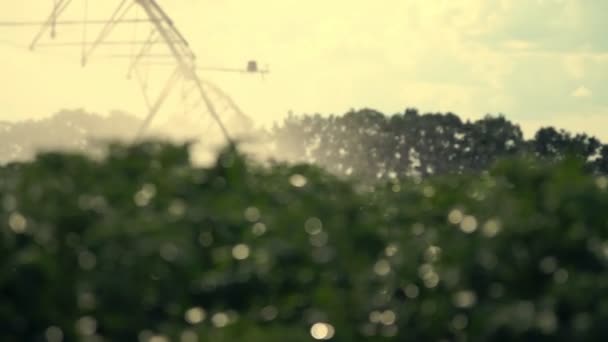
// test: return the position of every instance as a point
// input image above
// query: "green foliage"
(142, 245)
(364, 143)
(371, 145)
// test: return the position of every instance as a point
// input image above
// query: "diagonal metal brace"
(185, 63)
(115, 19)
(58, 9)
(159, 101)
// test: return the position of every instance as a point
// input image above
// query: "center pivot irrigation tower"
(163, 46)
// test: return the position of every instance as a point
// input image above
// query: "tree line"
(371, 144)
(363, 143)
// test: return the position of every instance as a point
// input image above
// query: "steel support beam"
(159, 102)
(58, 9)
(186, 66)
(124, 6)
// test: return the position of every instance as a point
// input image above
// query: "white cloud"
(575, 66)
(582, 91)
(518, 44)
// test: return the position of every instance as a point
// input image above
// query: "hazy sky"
(540, 62)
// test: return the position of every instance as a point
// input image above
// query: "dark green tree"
(370, 145)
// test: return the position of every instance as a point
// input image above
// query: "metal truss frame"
(163, 32)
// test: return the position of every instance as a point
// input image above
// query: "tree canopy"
(372, 145)
(363, 143)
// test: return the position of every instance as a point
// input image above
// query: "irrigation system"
(155, 42)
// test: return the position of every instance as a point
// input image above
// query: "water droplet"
(604, 249)
(382, 267)
(468, 224)
(177, 208)
(158, 338)
(432, 254)
(389, 330)
(491, 228)
(391, 250)
(87, 260)
(169, 252)
(298, 180)
(428, 191)
(375, 316)
(240, 252)
(464, 299)
(411, 291)
(561, 276)
(322, 331)
(428, 275)
(460, 322)
(322, 255)
(582, 321)
(258, 229)
(205, 239)
(524, 311)
(252, 214)
(418, 229)
(17, 222)
(548, 265)
(53, 334)
(602, 182)
(220, 320)
(9, 202)
(455, 216)
(424, 269)
(143, 197)
(86, 325)
(269, 313)
(145, 335)
(86, 300)
(319, 240)
(497, 290)
(546, 322)
(431, 280)
(313, 226)
(189, 336)
(195, 315)
(388, 317)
